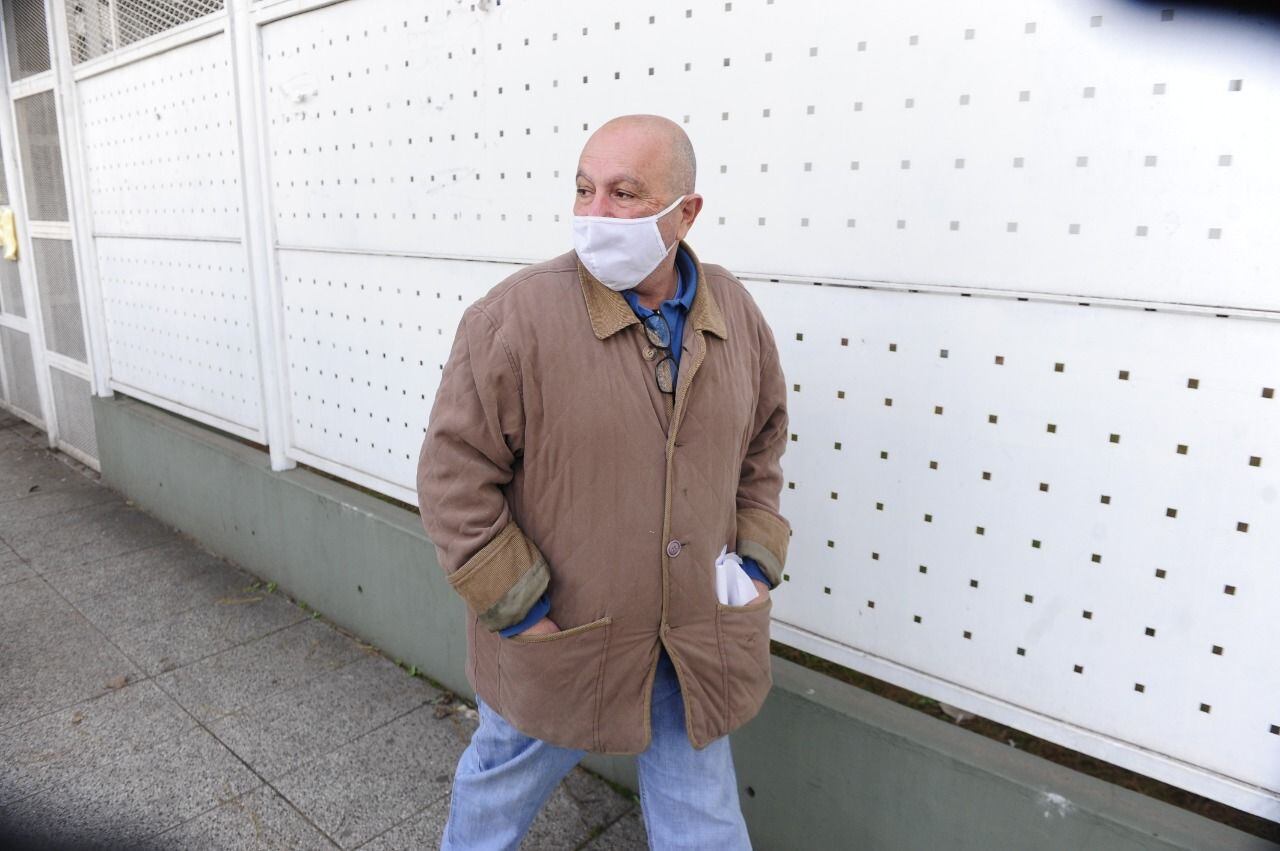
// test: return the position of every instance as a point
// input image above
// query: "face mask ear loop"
(674, 204)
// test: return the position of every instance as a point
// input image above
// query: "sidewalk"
(152, 695)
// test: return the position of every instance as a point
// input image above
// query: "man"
(607, 424)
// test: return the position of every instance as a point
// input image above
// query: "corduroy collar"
(610, 313)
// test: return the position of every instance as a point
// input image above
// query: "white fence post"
(259, 241)
(84, 250)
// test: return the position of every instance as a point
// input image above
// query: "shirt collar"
(610, 313)
(686, 287)
(688, 275)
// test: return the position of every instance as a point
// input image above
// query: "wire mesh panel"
(138, 19)
(100, 26)
(20, 371)
(40, 151)
(4, 188)
(74, 410)
(11, 289)
(1052, 147)
(11, 300)
(26, 38)
(59, 297)
(90, 28)
(179, 320)
(161, 146)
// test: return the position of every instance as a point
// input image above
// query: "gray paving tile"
(423, 830)
(60, 540)
(140, 793)
(86, 736)
(12, 567)
(380, 779)
(8, 554)
(27, 431)
(8, 436)
(171, 604)
(50, 656)
(27, 468)
(216, 625)
(289, 728)
(166, 564)
(259, 820)
(585, 798)
(626, 834)
(20, 514)
(580, 806)
(9, 439)
(233, 679)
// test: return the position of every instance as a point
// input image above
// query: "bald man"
(600, 477)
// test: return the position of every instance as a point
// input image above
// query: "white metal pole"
(84, 249)
(259, 233)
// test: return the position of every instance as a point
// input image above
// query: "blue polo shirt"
(675, 311)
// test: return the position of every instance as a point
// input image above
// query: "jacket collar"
(610, 313)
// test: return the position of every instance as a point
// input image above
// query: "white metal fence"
(1015, 256)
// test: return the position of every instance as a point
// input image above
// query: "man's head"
(635, 166)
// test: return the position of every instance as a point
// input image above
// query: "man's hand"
(762, 588)
(542, 627)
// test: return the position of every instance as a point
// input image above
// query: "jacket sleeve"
(474, 440)
(763, 533)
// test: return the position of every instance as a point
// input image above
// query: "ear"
(689, 210)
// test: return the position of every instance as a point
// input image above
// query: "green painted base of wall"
(824, 765)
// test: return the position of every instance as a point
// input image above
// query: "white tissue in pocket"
(733, 586)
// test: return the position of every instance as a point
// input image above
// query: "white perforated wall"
(1080, 523)
(967, 145)
(163, 158)
(161, 147)
(365, 345)
(180, 324)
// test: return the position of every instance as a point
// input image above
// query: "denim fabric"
(689, 798)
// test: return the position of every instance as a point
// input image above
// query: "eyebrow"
(622, 178)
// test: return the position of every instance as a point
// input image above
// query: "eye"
(583, 191)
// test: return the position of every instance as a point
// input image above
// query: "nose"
(600, 205)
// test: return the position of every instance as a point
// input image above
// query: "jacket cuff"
(504, 580)
(751, 568)
(764, 537)
(537, 613)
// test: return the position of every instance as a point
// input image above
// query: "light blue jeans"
(689, 798)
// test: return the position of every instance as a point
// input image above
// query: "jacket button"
(649, 353)
(673, 549)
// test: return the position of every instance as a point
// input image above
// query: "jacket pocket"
(549, 685)
(743, 634)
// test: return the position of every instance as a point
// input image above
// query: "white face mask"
(621, 253)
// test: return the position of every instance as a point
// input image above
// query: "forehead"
(616, 155)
